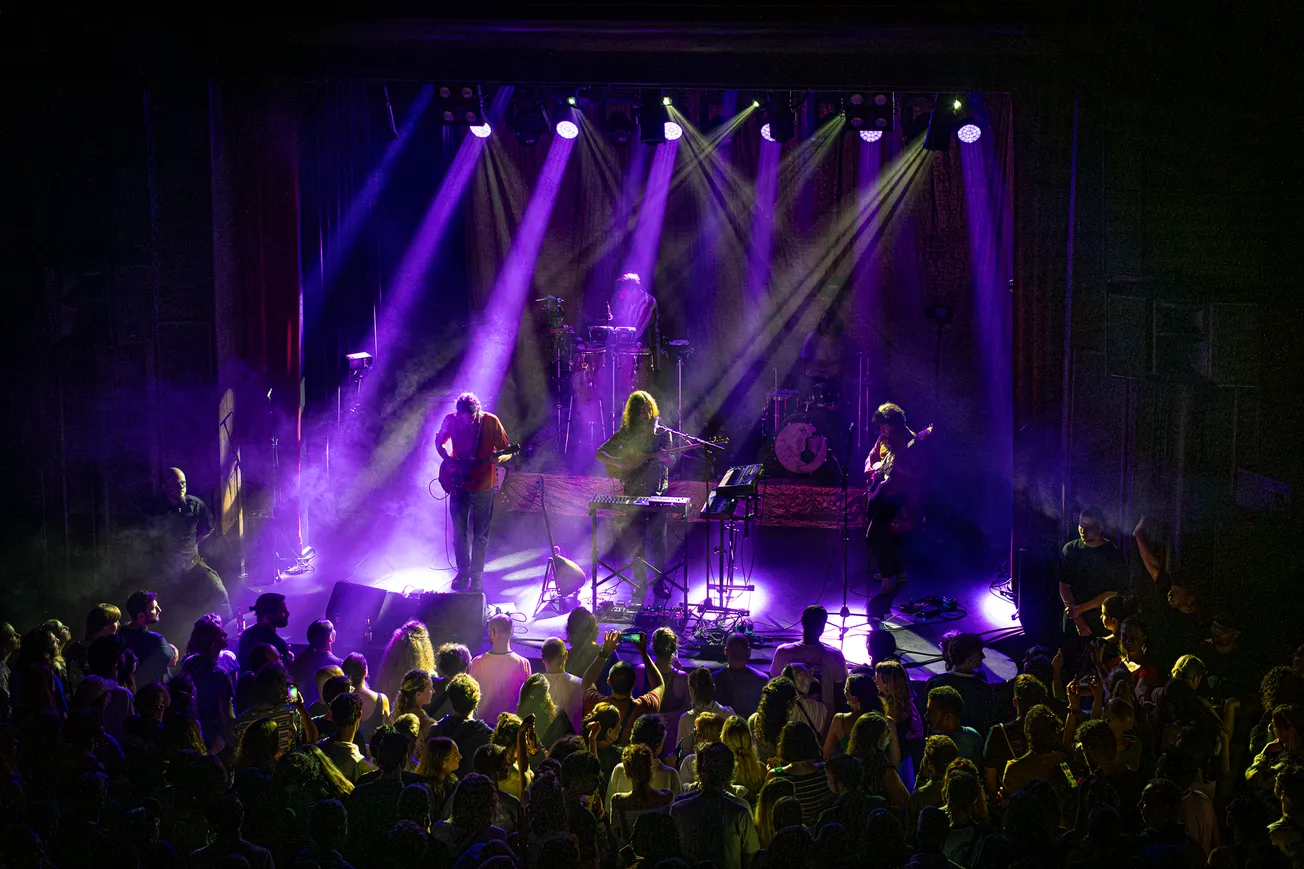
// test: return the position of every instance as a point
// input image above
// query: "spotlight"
(616, 121)
(652, 116)
(869, 110)
(940, 125)
(969, 133)
(460, 104)
(673, 131)
(871, 135)
(528, 120)
(780, 117)
(567, 129)
(765, 133)
(756, 104)
(956, 104)
(665, 101)
(570, 101)
(481, 131)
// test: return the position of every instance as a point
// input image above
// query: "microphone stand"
(845, 612)
(690, 438)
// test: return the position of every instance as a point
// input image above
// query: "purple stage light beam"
(495, 329)
(758, 255)
(642, 256)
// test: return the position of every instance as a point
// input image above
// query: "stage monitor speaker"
(350, 606)
(450, 618)
(1039, 605)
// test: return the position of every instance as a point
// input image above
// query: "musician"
(823, 350)
(632, 306)
(182, 522)
(894, 463)
(638, 454)
(473, 433)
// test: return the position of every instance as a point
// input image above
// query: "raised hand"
(610, 640)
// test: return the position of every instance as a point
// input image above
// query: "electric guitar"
(568, 575)
(631, 460)
(879, 475)
(454, 473)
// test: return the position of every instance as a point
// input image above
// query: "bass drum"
(805, 441)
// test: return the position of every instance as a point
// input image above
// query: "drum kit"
(806, 429)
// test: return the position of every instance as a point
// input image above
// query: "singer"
(638, 455)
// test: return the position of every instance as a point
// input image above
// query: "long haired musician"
(894, 472)
(638, 454)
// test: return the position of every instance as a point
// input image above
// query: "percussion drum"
(824, 393)
(586, 364)
(805, 441)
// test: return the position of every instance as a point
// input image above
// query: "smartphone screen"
(294, 693)
(631, 636)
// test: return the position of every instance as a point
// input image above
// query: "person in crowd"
(373, 805)
(10, 642)
(1287, 832)
(500, 671)
(650, 732)
(331, 688)
(1121, 718)
(621, 680)
(475, 807)
(409, 649)
(825, 663)
(328, 832)
(450, 659)
(943, 713)
(883, 845)
(939, 753)
(771, 793)
(639, 796)
(869, 743)
(932, 830)
(1042, 756)
(346, 715)
(375, 706)
(800, 761)
(851, 804)
(675, 697)
(438, 768)
(701, 690)
(966, 810)
(714, 825)
(260, 746)
(513, 737)
(1285, 750)
(413, 694)
(259, 656)
(1161, 813)
(1199, 817)
(214, 684)
(962, 653)
(808, 708)
(1100, 750)
(551, 723)
(494, 763)
(749, 772)
(708, 729)
(1007, 740)
(460, 725)
(271, 614)
(1248, 821)
(564, 688)
(739, 685)
(273, 699)
(582, 635)
(154, 653)
(101, 660)
(907, 724)
(226, 820)
(1028, 837)
(601, 739)
(863, 697)
(1132, 646)
(773, 712)
(1091, 569)
(321, 637)
(101, 621)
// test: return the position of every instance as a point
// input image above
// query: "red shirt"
(492, 437)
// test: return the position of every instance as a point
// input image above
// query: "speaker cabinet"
(350, 606)
(450, 618)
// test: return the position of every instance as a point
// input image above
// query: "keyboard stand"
(620, 574)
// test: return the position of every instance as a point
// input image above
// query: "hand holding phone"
(294, 694)
(634, 637)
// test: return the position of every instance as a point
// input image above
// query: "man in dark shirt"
(154, 653)
(738, 686)
(272, 613)
(467, 732)
(1091, 570)
(182, 523)
(321, 637)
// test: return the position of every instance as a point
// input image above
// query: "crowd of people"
(1156, 735)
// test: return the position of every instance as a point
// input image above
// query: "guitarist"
(898, 480)
(472, 433)
(639, 455)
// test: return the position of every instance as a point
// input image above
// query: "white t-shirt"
(663, 778)
(688, 720)
(500, 678)
(825, 664)
(816, 714)
(566, 694)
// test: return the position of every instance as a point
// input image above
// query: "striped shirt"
(287, 720)
(812, 791)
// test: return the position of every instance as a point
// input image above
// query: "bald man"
(184, 523)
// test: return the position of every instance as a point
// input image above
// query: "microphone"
(656, 425)
(609, 317)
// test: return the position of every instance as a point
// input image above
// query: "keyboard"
(645, 504)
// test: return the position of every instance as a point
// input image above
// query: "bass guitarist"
(639, 455)
(894, 472)
(472, 433)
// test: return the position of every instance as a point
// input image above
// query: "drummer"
(822, 355)
(632, 306)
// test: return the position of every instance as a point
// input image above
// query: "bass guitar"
(880, 473)
(568, 576)
(630, 460)
(454, 473)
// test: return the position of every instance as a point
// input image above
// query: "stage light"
(756, 104)
(570, 101)
(567, 129)
(956, 104)
(528, 122)
(869, 110)
(652, 116)
(871, 135)
(482, 131)
(616, 121)
(460, 104)
(673, 131)
(969, 133)
(765, 133)
(665, 101)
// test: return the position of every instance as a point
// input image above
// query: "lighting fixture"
(652, 116)
(528, 122)
(765, 133)
(871, 135)
(869, 110)
(481, 131)
(459, 104)
(969, 133)
(673, 131)
(567, 129)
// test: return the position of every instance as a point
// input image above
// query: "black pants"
(195, 591)
(884, 543)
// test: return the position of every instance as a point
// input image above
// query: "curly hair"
(1042, 728)
(451, 659)
(798, 742)
(957, 646)
(638, 763)
(414, 684)
(939, 752)
(962, 789)
(474, 804)
(1280, 686)
(506, 729)
(536, 697)
(777, 699)
(409, 649)
(639, 407)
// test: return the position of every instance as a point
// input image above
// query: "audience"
(1116, 751)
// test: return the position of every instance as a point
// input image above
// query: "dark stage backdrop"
(745, 305)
